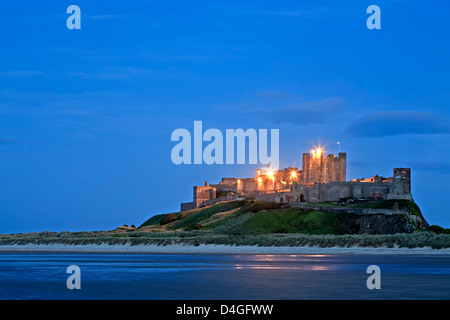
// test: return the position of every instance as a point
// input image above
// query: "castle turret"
(405, 174)
(401, 185)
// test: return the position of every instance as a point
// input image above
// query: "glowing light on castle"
(322, 178)
(317, 152)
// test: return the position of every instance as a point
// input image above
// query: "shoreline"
(217, 249)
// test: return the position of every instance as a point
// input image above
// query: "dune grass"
(402, 240)
(246, 223)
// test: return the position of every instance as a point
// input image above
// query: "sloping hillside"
(248, 217)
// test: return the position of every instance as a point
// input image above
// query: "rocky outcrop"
(358, 211)
(419, 222)
(379, 224)
(374, 220)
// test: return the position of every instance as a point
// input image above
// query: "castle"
(322, 179)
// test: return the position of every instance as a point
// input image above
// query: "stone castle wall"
(203, 193)
(322, 179)
(335, 191)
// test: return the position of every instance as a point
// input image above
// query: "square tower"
(405, 174)
(319, 168)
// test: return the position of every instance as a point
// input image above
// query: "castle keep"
(323, 169)
(322, 179)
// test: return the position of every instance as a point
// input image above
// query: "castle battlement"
(322, 179)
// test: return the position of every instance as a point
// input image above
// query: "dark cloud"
(301, 113)
(391, 123)
(435, 166)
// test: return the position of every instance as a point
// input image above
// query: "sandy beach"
(219, 249)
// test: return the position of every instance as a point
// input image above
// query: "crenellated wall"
(322, 179)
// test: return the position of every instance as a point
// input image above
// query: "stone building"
(323, 169)
(322, 179)
(405, 174)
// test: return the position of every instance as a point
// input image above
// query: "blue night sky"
(86, 116)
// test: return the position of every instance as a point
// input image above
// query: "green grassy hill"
(249, 217)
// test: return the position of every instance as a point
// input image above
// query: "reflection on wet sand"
(282, 262)
(210, 276)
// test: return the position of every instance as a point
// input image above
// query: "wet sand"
(220, 249)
